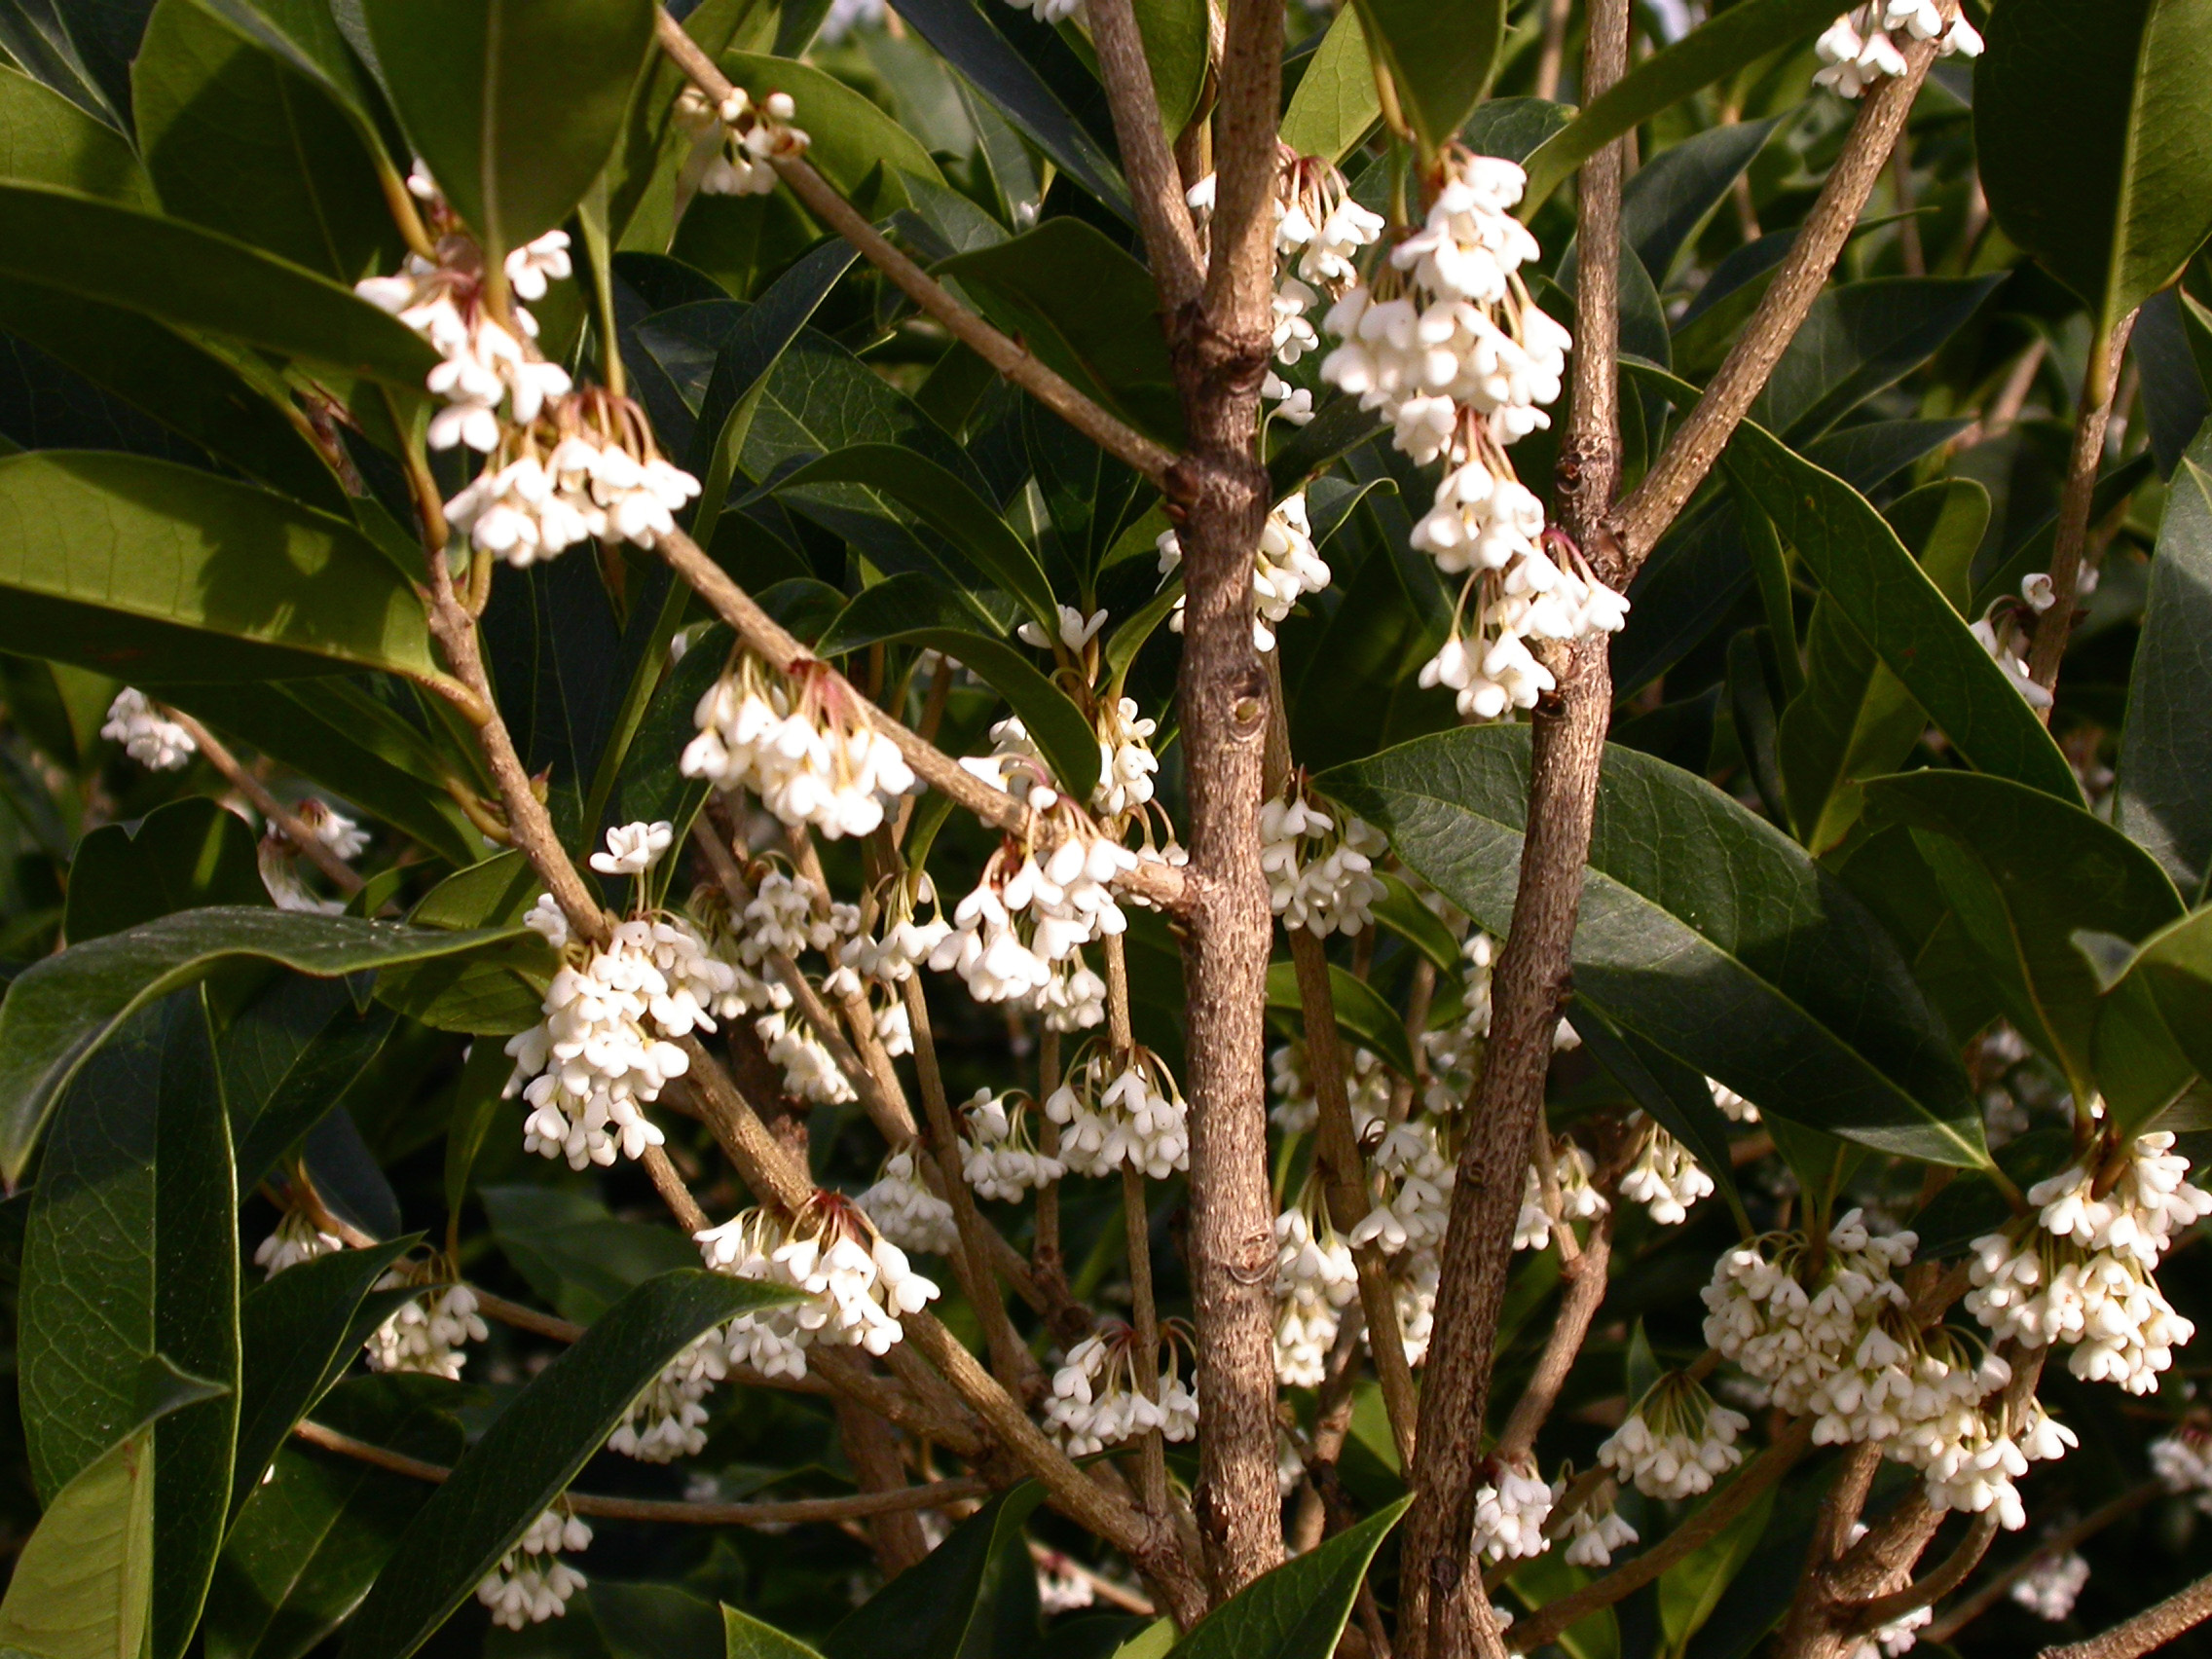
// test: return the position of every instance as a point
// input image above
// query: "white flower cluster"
(2053, 1585)
(427, 1334)
(997, 1157)
(1665, 1178)
(1285, 569)
(1598, 1528)
(905, 1211)
(1048, 12)
(1127, 764)
(607, 1045)
(1733, 1106)
(1418, 1177)
(1574, 1169)
(1112, 1117)
(1098, 1400)
(1675, 1440)
(1062, 1586)
(147, 734)
(2080, 1273)
(632, 849)
(1510, 1512)
(1315, 1281)
(587, 470)
(1792, 1339)
(1018, 936)
(804, 742)
(858, 1284)
(278, 857)
(668, 1420)
(531, 1582)
(1859, 49)
(2182, 1462)
(297, 1239)
(1367, 1081)
(1412, 1285)
(1320, 866)
(753, 136)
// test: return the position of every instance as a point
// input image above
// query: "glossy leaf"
(307, 36)
(574, 1253)
(45, 139)
(2175, 964)
(1703, 927)
(894, 608)
(1336, 104)
(2117, 197)
(1401, 910)
(1668, 198)
(1440, 54)
(161, 572)
(495, 991)
(973, 1590)
(1177, 51)
(2048, 869)
(1900, 612)
(1057, 725)
(201, 280)
(1363, 1016)
(2166, 746)
(1859, 338)
(1674, 1095)
(289, 1057)
(83, 1585)
(849, 137)
(530, 1454)
(515, 108)
(1729, 41)
(745, 1637)
(186, 854)
(60, 1009)
(1299, 1609)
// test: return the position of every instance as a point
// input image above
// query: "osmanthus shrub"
(1105, 827)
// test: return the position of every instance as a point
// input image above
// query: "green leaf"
(83, 1584)
(1859, 338)
(179, 857)
(202, 279)
(1669, 197)
(850, 137)
(533, 1450)
(1899, 612)
(1362, 1014)
(894, 608)
(297, 1332)
(2175, 965)
(948, 505)
(1087, 310)
(1336, 104)
(2047, 869)
(574, 1254)
(1703, 927)
(1691, 1589)
(1675, 1096)
(45, 139)
(972, 1591)
(1731, 40)
(239, 141)
(306, 35)
(649, 787)
(147, 569)
(1069, 745)
(1401, 910)
(130, 1252)
(2165, 748)
(515, 108)
(491, 992)
(477, 1096)
(745, 1637)
(1299, 1609)
(60, 1009)
(2117, 197)
(289, 1057)
(311, 1540)
(1176, 51)
(1440, 54)
(1855, 719)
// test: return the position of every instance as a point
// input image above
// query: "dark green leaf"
(747, 1638)
(178, 857)
(2115, 198)
(1362, 1014)
(959, 1600)
(1703, 927)
(1670, 196)
(477, 1096)
(143, 568)
(2174, 399)
(1900, 612)
(1336, 104)
(1514, 128)
(492, 992)
(2165, 748)
(307, 36)
(515, 108)
(1401, 910)
(530, 1454)
(1176, 51)
(1691, 1589)
(1675, 1096)
(289, 1057)
(83, 1585)
(1440, 56)
(1337, 426)
(1069, 745)
(850, 136)
(650, 788)
(45, 139)
(894, 608)
(1859, 338)
(63, 1009)
(1298, 1610)
(2176, 965)
(574, 1253)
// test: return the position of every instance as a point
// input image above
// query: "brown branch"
(1781, 311)
(1156, 184)
(2055, 626)
(524, 1319)
(873, 1452)
(1586, 1283)
(1987, 1596)
(790, 1512)
(821, 200)
(324, 857)
(1136, 1237)
(2150, 1629)
(1863, 1616)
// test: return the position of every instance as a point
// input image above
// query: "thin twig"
(1986, 1595)
(1136, 1236)
(2150, 1629)
(1156, 185)
(1586, 1283)
(324, 857)
(1863, 1616)
(2054, 628)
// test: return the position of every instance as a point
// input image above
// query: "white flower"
(530, 266)
(532, 1583)
(1315, 1281)
(1097, 1399)
(1319, 866)
(1733, 1106)
(1285, 567)
(668, 1420)
(1510, 1512)
(147, 735)
(632, 849)
(1675, 1440)
(1367, 1085)
(1573, 1169)
(858, 1284)
(2049, 1588)
(1024, 920)
(906, 1212)
(804, 742)
(297, 1239)
(1596, 1530)
(753, 136)
(2182, 1462)
(1132, 1117)
(1665, 1178)
(1075, 630)
(997, 1157)
(1062, 1587)
(427, 1334)
(1861, 48)
(2006, 646)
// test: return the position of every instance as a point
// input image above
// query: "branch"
(324, 857)
(1137, 1238)
(1781, 311)
(791, 1511)
(1586, 1283)
(1109, 434)
(2055, 626)
(2153, 1627)
(1865, 1616)
(2058, 1544)
(1156, 184)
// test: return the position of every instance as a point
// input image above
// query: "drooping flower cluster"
(2053, 1585)
(1598, 1528)
(668, 1420)
(998, 1159)
(1733, 1106)
(858, 1283)
(147, 734)
(429, 1333)
(1285, 568)
(1098, 1400)
(1418, 1174)
(2080, 1273)
(754, 137)
(1665, 1178)
(1861, 48)
(1114, 1116)
(607, 1045)
(802, 741)
(297, 1238)
(531, 1582)
(1675, 1440)
(1320, 863)
(1511, 1508)
(1127, 764)
(1315, 1279)
(2182, 1462)
(1791, 1317)
(905, 1211)
(1018, 936)
(1573, 1170)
